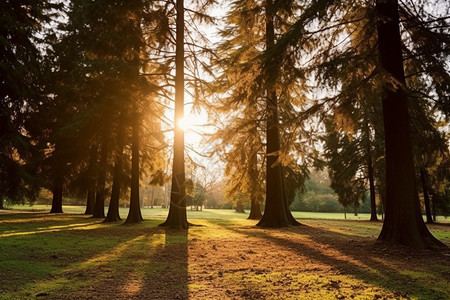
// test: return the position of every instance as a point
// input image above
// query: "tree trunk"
(153, 198)
(426, 195)
(276, 211)
(370, 173)
(433, 208)
(255, 207)
(1, 202)
(134, 214)
(239, 207)
(100, 194)
(90, 202)
(57, 195)
(177, 217)
(255, 210)
(58, 182)
(113, 209)
(403, 222)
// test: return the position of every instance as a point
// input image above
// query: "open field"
(72, 256)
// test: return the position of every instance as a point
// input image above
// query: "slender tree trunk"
(403, 223)
(255, 207)
(153, 198)
(433, 208)
(373, 203)
(1, 202)
(113, 209)
(134, 214)
(383, 203)
(276, 211)
(426, 196)
(100, 194)
(90, 202)
(177, 217)
(58, 181)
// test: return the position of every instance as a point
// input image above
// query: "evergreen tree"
(403, 223)
(21, 93)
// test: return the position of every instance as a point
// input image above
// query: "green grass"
(76, 256)
(161, 213)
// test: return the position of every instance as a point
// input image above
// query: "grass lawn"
(72, 256)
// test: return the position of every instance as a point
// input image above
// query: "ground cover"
(72, 256)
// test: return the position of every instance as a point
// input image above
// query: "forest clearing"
(73, 256)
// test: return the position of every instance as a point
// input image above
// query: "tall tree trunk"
(276, 211)
(57, 195)
(255, 207)
(58, 181)
(90, 201)
(373, 204)
(134, 214)
(433, 207)
(100, 194)
(426, 195)
(177, 217)
(113, 209)
(383, 203)
(403, 223)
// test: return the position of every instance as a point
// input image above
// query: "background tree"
(21, 94)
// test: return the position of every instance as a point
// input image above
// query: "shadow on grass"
(421, 274)
(92, 262)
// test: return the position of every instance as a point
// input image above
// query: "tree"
(276, 211)
(134, 214)
(91, 180)
(22, 24)
(113, 209)
(177, 217)
(256, 87)
(403, 223)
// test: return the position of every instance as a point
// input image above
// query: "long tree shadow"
(153, 266)
(77, 258)
(360, 258)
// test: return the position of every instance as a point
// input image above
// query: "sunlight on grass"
(81, 226)
(225, 256)
(109, 255)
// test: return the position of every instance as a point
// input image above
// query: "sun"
(184, 124)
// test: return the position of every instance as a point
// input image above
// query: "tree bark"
(426, 195)
(100, 194)
(90, 201)
(255, 210)
(239, 207)
(255, 207)
(276, 211)
(433, 208)
(373, 204)
(58, 181)
(403, 222)
(177, 217)
(113, 209)
(134, 214)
